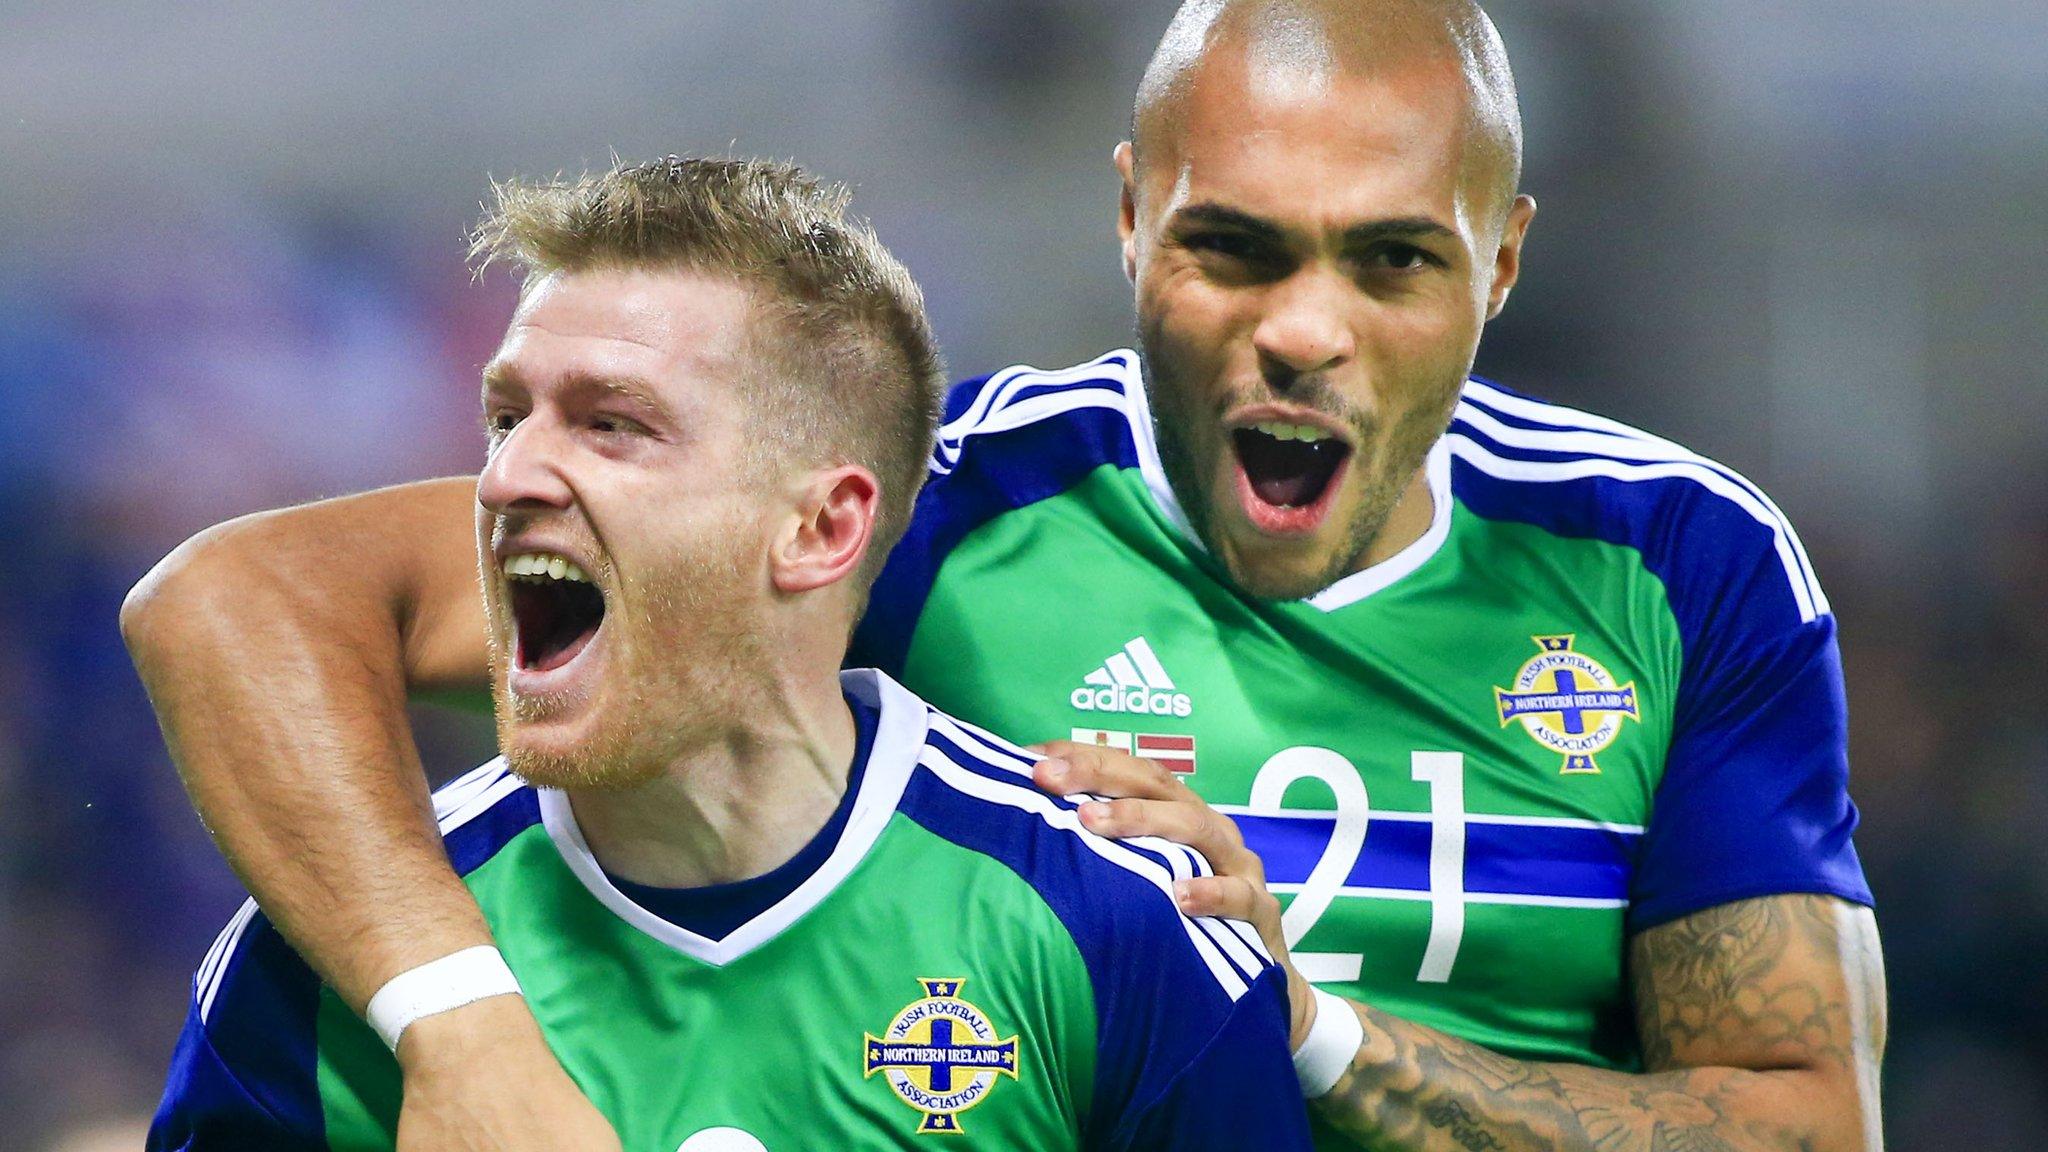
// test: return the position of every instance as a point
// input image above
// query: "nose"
(1306, 326)
(523, 472)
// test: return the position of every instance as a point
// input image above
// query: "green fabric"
(1412, 667)
(774, 1042)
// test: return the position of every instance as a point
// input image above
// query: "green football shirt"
(962, 967)
(1600, 692)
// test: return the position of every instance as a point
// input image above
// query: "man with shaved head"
(1534, 719)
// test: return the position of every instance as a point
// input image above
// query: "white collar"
(899, 739)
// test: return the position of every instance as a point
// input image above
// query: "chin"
(1283, 577)
(593, 758)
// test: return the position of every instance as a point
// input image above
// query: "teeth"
(1280, 431)
(543, 566)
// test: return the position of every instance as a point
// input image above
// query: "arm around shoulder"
(403, 556)
(276, 650)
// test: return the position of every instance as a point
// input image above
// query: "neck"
(1407, 523)
(739, 803)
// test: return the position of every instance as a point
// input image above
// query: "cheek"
(1419, 352)
(1178, 303)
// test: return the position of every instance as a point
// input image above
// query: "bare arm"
(276, 650)
(1762, 1024)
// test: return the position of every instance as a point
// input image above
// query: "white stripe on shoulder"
(215, 967)
(1237, 940)
(1553, 415)
(1573, 430)
(459, 791)
(1223, 951)
(480, 796)
(995, 752)
(971, 783)
(1000, 405)
(1806, 591)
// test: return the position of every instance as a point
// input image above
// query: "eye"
(499, 422)
(607, 424)
(1404, 257)
(1232, 257)
(1235, 245)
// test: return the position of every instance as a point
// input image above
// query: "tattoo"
(1761, 1024)
(1451, 1116)
(1717, 979)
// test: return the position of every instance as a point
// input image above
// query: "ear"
(1127, 208)
(1507, 261)
(829, 535)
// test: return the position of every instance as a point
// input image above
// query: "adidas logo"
(1132, 680)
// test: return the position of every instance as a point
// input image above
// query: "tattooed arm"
(1762, 1021)
(1762, 1025)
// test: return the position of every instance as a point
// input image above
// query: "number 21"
(1444, 772)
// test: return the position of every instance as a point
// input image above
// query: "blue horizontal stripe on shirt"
(1582, 863)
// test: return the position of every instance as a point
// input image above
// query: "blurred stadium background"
(1807, 239)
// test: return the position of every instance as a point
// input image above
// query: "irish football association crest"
(1568, 702)
(941, 1055)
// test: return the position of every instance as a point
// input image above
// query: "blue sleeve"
(1239, 1091)
(1754, 797)
(1182, 1006)
(1009, 439)
(1192, 1046)
(1754, 800)
(206, 1107)
(242, 1075)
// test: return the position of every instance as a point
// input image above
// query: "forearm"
(278, 669)
(1417, 1090)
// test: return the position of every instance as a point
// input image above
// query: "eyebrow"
(1217, 216)
(1368, 232)
(630, 388)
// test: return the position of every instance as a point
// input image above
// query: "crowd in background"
(234, 279)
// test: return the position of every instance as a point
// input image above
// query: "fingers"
(1242, 898)
(1234, 898)
(1143, 799)
(1190, 822)
(1070, 768)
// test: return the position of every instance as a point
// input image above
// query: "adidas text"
(1135, 699)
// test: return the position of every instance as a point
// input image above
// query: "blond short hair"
(849, 369)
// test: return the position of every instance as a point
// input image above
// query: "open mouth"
(1289, 465)
(556, 609)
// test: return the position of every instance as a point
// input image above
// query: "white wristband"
(438, 986)
(1332, 1043)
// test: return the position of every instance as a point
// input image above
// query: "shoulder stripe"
(207, 984)
(1805, 593)
(1238, 941)
(1025, 395)
(1806, 590)
(998, 752)
(1184, 863)
(1001, 387)
(504, 784)
(459, 791)
(1235, 939)
(994, 752)
(1553, 415)
(967, 782)
(1599, 436)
